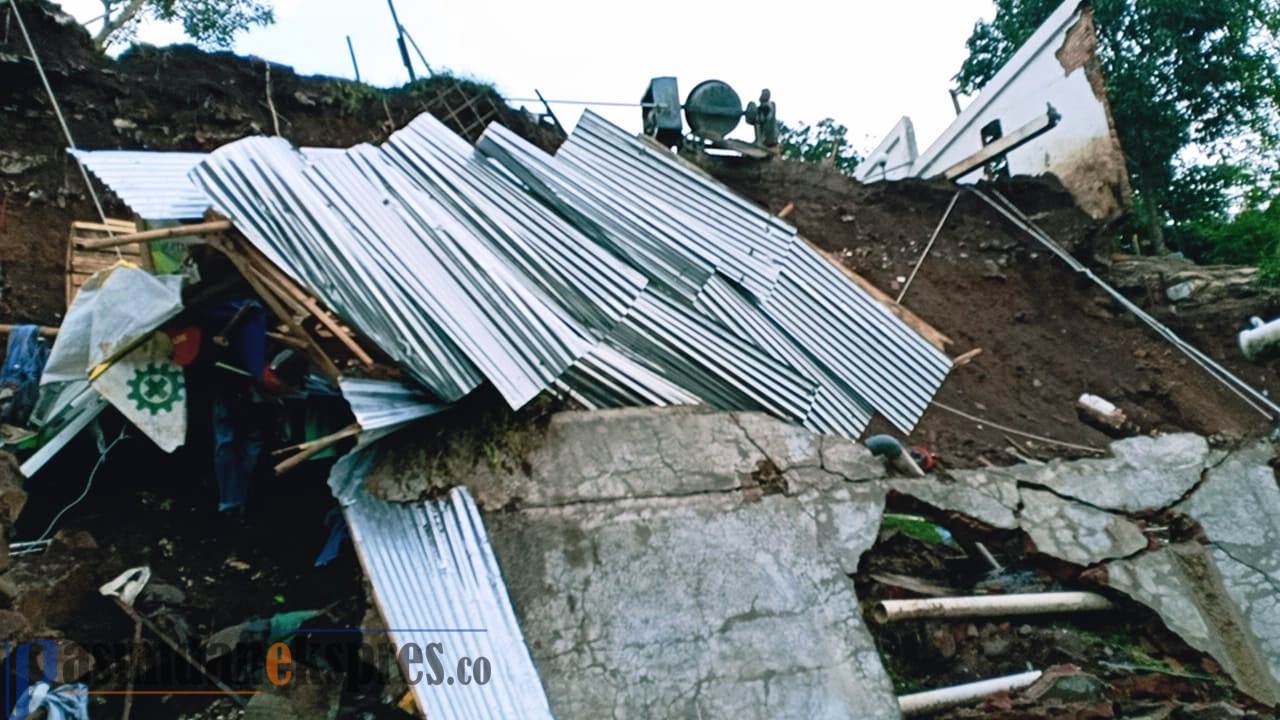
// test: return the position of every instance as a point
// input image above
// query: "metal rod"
(1246, 392)
(57, 110)
(928, 247)
(550, 113)
(404, 51)
(352, 49)
(418, 50)
(601, 103)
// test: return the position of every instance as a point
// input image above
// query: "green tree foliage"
(827, 141)
(1201, 74)
(210, 23)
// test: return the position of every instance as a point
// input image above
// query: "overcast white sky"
(863, 63)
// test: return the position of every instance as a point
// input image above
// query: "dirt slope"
(1047, 334)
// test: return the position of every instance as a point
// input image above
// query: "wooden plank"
(322, 316)
(317, 353)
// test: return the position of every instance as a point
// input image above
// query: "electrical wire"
(57, 110)
(1014, 431)
(102, 457)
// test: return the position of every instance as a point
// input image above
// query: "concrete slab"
(1145, 473)
(987, 495)
(1223, 596)
(1077, 533)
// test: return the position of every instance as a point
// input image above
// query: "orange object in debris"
(924, 458)
(186, 345)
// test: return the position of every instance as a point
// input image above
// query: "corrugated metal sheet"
(153, 184)
(383, 404)
(572, 271)
(743, 242)
(436, 580)
(612, 271)
(392, 260)
(624, 230)
(855, 337)
(811, 317)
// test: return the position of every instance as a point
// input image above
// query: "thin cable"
(1014, 431)
(602, 103)
(102, 457)
(57, 110)
(933, 238)
(1251, 396)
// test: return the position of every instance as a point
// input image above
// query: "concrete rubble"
(1217, 592)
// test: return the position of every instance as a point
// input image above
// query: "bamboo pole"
(204, 228)
(313, 447)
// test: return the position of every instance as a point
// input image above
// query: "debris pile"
(587, 418)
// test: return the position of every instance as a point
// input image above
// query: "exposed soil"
(1047, 335)
(171, 98)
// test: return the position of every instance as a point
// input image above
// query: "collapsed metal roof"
(613, 271)
(436, 581)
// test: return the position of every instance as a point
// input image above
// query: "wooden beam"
(205, 228)
(317, 354)
(1004, 145)
(305, 300)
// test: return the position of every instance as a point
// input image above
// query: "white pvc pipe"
(1258, 337)
(934, 700)
(887, 611)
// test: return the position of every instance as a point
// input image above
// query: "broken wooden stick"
(966, 358)
(313, 447)
(786, 210)
(138, 617)
(204, 228)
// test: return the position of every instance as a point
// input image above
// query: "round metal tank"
(712, 109)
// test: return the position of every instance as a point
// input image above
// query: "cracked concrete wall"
(683, 563)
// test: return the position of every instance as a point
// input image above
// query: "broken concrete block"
(990, 496)
(708, 606)
(853, 461)
(1185, 584)
(1075, 532)
(1147, 473)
